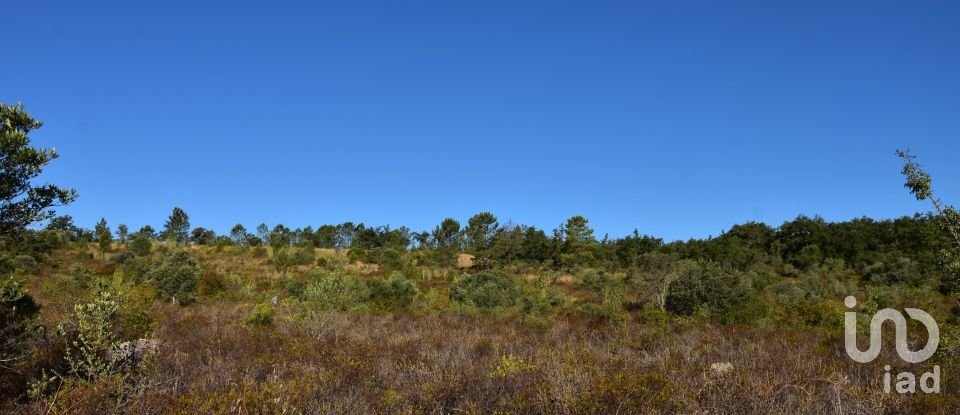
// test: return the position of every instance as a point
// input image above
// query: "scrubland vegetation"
(484, 317)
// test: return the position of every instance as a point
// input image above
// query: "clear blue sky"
(679, 119)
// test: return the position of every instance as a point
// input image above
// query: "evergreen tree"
(22, 203)
(122, 232)
(239, 234)
(147, 232)
(202, 236)
(263, 232)
(480, 231)
(177, 226)
(100, 228)
(104, 237)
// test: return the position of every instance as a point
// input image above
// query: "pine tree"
(177, 226)
(122, 232)
(21, 203)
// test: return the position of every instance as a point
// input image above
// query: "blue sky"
(679, 119)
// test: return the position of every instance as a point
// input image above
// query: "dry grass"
(357, 363)
(309, 362)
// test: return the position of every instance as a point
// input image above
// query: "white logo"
(900, 324)
(906, 380)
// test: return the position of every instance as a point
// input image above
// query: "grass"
(230, 352)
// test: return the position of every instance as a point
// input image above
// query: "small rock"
(133, 351)
(720, 369)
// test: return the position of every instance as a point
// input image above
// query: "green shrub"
(294, 287)
(175, 274)
(281, 261)
(596, 280)
(543, 301)
(823, 314)
(750, 310)
(25, 264)
(134, 324)
(262, 315)
(89, 337)
(706, 288)
(893, 271)
(385, 257)
(808, 257)
(140, 245)
(336, 291)
(393, 293)
(136, 269)
(304, 256)
(795, 294)
(322, 262)
(357, 254)
(17, 310)
(121, 257)
(485, 289)
(82, 276)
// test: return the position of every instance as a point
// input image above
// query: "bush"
(795, 294)
(485, 289)
(281, 261)
(89, 337)
(140, 245)
(385, 257)
(136, 269)
(17, 310)
(262, 315)
(808, 257)
(122, 257)
(134, 324)
(596, 280)
(81, 275)
(357, 254)
(543, 301)
(336, 291)
(304, 256)
(211, 284)
(322, 262)
(898, 270)
(706, 288)
(25, 264)
(394, 293)
(609, 308)
(750, 310)
(175, 274)
(295, 288)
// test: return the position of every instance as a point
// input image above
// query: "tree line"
(892, 250)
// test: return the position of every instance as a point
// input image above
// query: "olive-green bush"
(140, 245)
(174, 274)
(262, 315)
(393, 293)
(336, 291)
(485, 289)
(707, 289)
(26, 264)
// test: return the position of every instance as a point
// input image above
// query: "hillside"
(346, 336)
